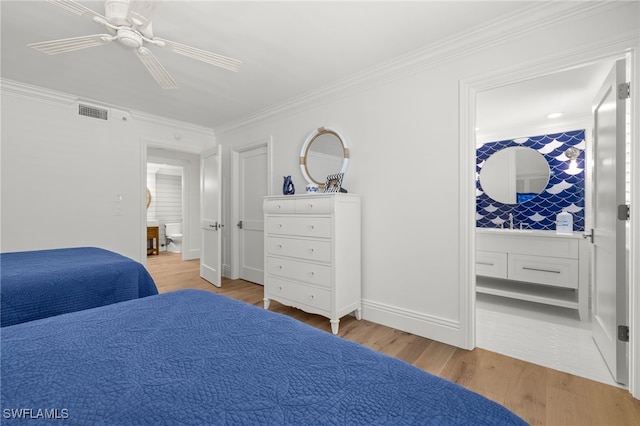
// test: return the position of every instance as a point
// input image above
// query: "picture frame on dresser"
(334, 183)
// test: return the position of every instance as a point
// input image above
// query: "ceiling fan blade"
(140, 12)
(64, 45)
(156, 69)
(201, 55)
(76, 8)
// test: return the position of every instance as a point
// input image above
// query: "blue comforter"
(194, 357)
(43, 283)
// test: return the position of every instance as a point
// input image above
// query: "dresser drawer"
(491, 264)
(304, 249)
(544, 270)
(299, 295)
(280, 206)
(304, 226)
(299, 271)
(313, 205)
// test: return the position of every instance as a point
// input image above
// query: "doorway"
(549, 336)
(186, 209)
(165, 209)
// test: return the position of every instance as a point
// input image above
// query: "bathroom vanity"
(537, 266)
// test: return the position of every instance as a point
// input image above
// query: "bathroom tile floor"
(545, 335)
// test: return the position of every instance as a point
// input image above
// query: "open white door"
(609, 261)
(211, 206)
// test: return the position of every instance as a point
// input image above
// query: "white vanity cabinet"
(538, 266)
(312, 253)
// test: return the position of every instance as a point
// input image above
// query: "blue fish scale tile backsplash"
(565, 191)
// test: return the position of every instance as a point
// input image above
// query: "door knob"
(239, 225)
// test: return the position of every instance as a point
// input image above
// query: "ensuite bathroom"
(532, 257)
(164, 208)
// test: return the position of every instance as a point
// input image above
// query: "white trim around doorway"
(624, 46)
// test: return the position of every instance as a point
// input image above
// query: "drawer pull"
(279, 225)
(280, 288)
(279, 246)
(280, 267)
(310, 206)
(278, 206)
(540, 270)
(311, 250)
(311, 296)
(312, 274)
(311, 227)
(485, 263)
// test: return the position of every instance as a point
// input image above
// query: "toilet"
(173, 236)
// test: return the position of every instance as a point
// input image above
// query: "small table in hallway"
(153, 238)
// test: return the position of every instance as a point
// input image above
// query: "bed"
(195, 357)
(42, 283)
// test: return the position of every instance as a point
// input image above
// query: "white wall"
(70, 180)
(403, 132)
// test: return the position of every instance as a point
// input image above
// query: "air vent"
(93, 112)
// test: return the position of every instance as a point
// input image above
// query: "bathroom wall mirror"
(325, 152)
(514, 175)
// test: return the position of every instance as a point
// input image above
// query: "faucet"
(511, 221)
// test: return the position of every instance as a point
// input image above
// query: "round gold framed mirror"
(324, 153)
(148, 198)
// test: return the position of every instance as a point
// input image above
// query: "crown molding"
(27, 91)
(530, 19)
(165, 121)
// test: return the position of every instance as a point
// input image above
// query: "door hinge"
(623, 333)
(623, 212)
(624, 90)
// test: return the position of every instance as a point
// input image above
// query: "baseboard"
(420, 324)
(226, 271)
(191, 254)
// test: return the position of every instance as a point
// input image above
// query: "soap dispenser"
(564, 223)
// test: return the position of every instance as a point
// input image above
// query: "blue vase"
(287, 187)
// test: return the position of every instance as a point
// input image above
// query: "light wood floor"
(539, 395)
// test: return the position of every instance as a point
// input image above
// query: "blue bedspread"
(42, 283)
(194, 357)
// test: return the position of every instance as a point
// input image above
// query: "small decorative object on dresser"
(334, 183)
(287, 187)
(312, 254)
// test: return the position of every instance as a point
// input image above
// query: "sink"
(153, 223)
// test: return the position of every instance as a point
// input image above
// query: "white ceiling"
(505, 111)
(288, 49)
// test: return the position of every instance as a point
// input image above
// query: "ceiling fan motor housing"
(117, 11)
(129, 37)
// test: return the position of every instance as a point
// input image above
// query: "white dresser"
(538, 266)
(312, 254)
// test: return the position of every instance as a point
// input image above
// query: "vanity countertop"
(527, 233)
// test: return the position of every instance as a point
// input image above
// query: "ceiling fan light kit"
(130, 22)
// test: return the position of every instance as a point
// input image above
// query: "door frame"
(234, 260)
(540, 67)
(145, 144)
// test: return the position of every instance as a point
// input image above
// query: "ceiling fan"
(129, 24)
